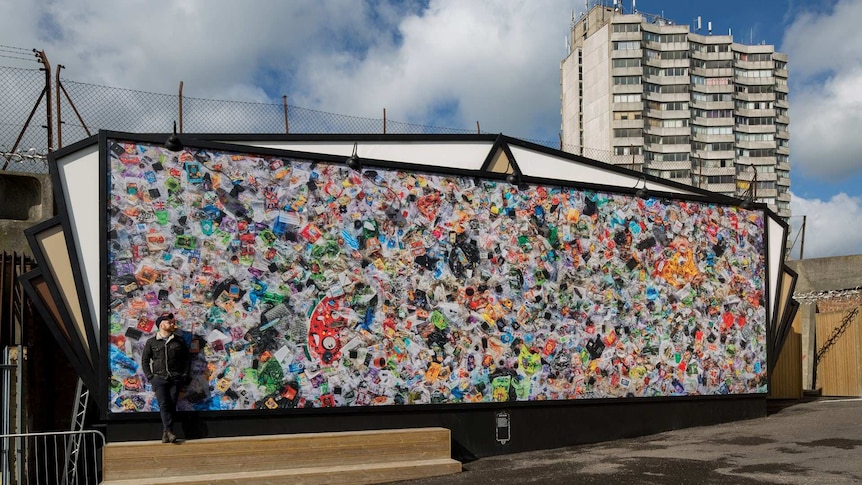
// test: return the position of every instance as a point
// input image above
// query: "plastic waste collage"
(303, 284)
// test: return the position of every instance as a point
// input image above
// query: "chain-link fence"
(118, 109)
(23, 145)
(82, 109)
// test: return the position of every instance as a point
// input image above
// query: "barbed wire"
(20, 156)
(18, 53)
(15, 48)
(815, 296)
(30, 161)
(18, 58)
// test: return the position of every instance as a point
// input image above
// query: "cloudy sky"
(451, 63)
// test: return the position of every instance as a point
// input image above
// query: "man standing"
(165, 361)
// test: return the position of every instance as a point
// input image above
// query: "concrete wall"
(569, 80)
(25, 200)
(597, 90)
(590, 37)
(823, 274)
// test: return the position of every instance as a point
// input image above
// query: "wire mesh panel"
(22, 90)
(304, 120)
(217, 116)
(107, 108)
(413, 128)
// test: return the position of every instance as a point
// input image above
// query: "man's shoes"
(165, 438)
(171, 437)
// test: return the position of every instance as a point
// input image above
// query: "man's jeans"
(166, 391)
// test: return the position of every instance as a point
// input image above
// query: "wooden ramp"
(350, 457)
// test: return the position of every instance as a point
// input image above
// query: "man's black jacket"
(165, 358)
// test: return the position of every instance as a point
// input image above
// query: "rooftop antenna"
(634, 6)
(697, 25)
(709, 27)
(730, 32)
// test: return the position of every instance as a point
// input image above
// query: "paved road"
(814, 442)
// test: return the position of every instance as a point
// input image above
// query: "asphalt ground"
(813, 442)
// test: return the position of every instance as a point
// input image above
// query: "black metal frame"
(781, 329)
(773, 346)
(63, 211)
(32, 234)
(208, 141)
(71, 347)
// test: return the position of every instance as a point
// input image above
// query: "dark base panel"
(474, 432)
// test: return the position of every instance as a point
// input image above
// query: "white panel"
(79, 179)
(53, 245)
(537, 164)
(466, 155)
(777, 236)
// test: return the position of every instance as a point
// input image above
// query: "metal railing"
(10, 396)
(55, 458)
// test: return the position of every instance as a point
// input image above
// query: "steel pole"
(50, 122)
(59, 116)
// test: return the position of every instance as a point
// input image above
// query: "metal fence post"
(19, 410)
(6, 370)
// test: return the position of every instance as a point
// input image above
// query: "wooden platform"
(350, 457)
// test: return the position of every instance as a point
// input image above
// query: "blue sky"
(451, 63)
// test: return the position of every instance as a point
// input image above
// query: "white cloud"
(826, 123)
(448, 62)
(825, 42)
(826, 104)
(213, 46)
(829, 226)
(496, 62)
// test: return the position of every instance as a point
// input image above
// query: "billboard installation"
(302, 283)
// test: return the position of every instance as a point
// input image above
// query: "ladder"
(73, 446)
